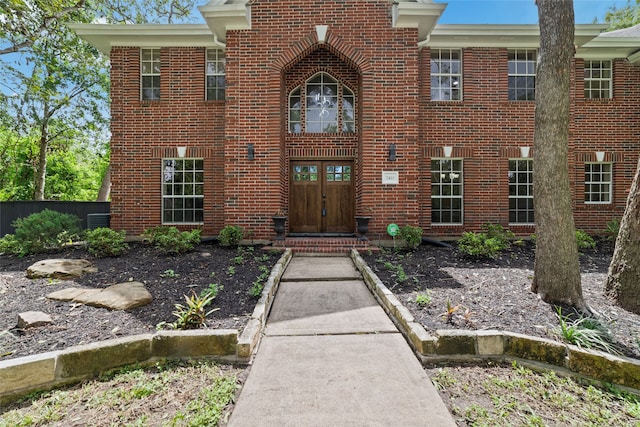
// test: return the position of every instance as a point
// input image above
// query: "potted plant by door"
(362, 223)
(279, 219)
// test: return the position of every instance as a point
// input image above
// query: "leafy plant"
(231, 270)
(450, 311)
(479, 245)
(169, 273)
(584, 241)
(585, 332)
(212, 290)
(488, 244)
(230, 235)
(105, 242)
(170, 240)
(411, 235)
(43, 231)
(256, 289)
(424, 298)
(397, 271)
(193, 315)
(612, 229)
(239, 260)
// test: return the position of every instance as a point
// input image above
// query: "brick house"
(336, 109)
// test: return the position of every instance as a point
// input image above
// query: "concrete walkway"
(331, 357)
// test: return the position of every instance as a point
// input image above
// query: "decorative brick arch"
(333, 44)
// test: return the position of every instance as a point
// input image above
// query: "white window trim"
(207, 74)
(516, 74)
(151, 74)
(461, 196)
(521, 224)
(601, 182)
(460, 74)
(165, 196)
(609, 79)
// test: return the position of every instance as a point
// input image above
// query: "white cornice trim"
(106, 36)
(506, 36)
(420, 15)
(222, 16)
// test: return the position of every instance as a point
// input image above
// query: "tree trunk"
(105, 187)
(557, 270)
(41, 169)
(623, 280)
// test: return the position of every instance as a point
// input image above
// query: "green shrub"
(411, 235)
(10, 245)
(612, 230)
(105, 242)
(584, 241)
(498, 232)
(170, 240)
(44, 231)
(230, 235)
(479, 245)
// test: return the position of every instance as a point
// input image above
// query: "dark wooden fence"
(91, 213)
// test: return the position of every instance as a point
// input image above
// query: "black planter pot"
(362, 223)
(278, 226)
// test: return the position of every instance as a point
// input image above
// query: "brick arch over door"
(351, 69)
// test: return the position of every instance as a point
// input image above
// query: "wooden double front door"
(321, 198)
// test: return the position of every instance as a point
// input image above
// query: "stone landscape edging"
(459, 345)
(49, 370)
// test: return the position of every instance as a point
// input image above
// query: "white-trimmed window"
(521, 191)
(182, 191)
(522, 75)
(597, 79)
(150, 74)
(598, 178)
(216, 80)
(446, 191)
(314, 107)
(446, 75)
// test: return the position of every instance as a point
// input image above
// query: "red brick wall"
(390, 77)
(144, 132)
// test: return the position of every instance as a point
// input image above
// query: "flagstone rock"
(33, 319)
(123, 296)
(63, 269)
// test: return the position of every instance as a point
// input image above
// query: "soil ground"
(168, 279)
(496, 293)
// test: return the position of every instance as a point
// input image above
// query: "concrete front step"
(324, 245)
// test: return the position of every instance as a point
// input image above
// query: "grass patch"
(167, 394)
(497, 395)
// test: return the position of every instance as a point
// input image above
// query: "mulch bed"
(490, 294)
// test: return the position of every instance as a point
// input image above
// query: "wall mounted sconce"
(392, 152)
(524, 152)
(447, 151)
(251, 153)
(182, 151)
(600, 156)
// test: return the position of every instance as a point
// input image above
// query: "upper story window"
(522, 75)
(150, 74)
(314, 107)
(597, 79)
(446, 75)
(598, 178)
(216, 81)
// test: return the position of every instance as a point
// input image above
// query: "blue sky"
(517, 11)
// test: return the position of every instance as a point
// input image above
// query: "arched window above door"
(315, 108)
